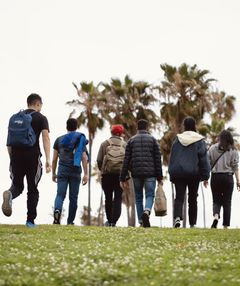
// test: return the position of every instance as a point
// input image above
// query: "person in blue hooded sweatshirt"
(69, 153)
(188, 165)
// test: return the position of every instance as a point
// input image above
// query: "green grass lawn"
(71, 255)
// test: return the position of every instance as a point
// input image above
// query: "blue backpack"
(20, 131)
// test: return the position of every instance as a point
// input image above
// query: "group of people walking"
(138, 161)
(190, 163)
(69, 153)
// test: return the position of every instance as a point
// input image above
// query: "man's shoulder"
(36, 115)
(138, 136)
(39, 115)
(105, 143)
(59, 139)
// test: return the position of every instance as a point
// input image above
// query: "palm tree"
(186, 93)
(129, 101)
(88, 102)
(222, 111)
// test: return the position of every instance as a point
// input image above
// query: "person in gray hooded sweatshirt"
(224, 160)
(188, 165)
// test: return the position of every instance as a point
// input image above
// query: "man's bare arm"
(46, 147)
(54, 165)
(85, 168)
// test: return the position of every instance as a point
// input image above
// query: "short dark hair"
(33, 98)
(189, 124)
(72, 124)
(226, 141)
(142, 124)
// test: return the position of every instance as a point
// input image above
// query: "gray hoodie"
(227, 163)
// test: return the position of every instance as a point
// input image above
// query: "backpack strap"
(30, 113)
(111, 143)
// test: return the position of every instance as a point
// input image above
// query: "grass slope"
(68, 255)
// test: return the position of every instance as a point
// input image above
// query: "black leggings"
(113, 205)
(222, 188)
(181, 185)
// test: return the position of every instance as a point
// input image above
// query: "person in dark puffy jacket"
(143, 160)
(188, 165)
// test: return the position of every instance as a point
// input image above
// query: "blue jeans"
(149, 184)
(62, 185)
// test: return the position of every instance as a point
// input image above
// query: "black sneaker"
(145, 219)
(215, 223)
(57, 217)
(177, 223)
(7, 203)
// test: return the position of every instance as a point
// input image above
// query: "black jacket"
(189, 161)
(142, 157)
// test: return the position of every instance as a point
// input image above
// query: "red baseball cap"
(117, 129)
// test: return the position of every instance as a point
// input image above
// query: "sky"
(48, 44)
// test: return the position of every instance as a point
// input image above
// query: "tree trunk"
(101, 211)
(204, 207)
(89, 178)
(128, 213)
(128, 198)
(132, 212)
(185, 211)
(131, 215)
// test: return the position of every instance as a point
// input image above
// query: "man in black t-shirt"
(25, 161)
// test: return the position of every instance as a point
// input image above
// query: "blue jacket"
(77, 141)
(188, 158)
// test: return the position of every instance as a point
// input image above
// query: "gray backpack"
(113, 160)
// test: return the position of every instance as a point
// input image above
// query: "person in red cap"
(109, 160)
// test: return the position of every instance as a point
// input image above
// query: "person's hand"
(54, 178)
(124, 185)
(48, 167)
(238, 186)
(205, 183)
(160, 182)
(85, 180)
